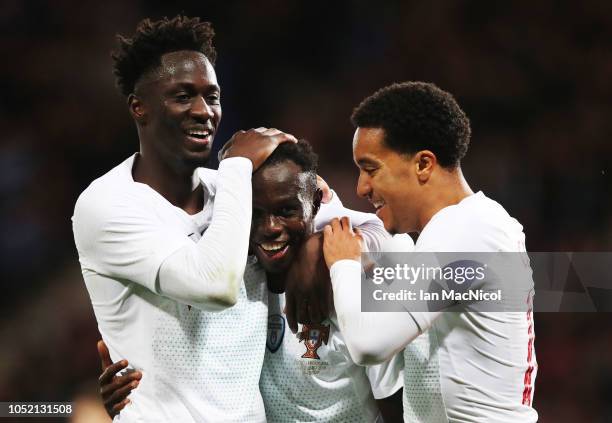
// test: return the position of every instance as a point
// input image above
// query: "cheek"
(169, 122)
(257, 226)
(384, 185)
(218, 113)
(297, 229)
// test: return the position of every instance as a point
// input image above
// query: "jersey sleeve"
(371, 227)
(388, 377)
(118, 239)
(122, 239)
(371, 338)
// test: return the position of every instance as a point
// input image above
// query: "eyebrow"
(365, 162)
(211, 87)
(287, 199)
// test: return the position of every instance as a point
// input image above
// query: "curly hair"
(300, 153)
(417, 116)
(153, 39)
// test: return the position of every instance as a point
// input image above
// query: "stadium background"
(532, 76)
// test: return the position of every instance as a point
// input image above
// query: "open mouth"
(378, 205)
(200, 136)
(274, 250)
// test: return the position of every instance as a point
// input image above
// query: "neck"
(175, 186)
(450, 188)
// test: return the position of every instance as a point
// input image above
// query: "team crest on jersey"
(276, 332)
(313, 336)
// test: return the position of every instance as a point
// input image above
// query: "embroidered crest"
(276, 332)
(313, 336)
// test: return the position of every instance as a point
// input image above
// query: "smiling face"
(387, 179)
(178, 109)
(285, 201)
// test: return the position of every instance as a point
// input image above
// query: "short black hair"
(417, 116)
(152, 40)
(300, 153)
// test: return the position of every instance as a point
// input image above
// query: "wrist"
(236, 161)
(344, 267)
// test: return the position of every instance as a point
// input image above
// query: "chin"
(275, 266)
(389, 227)
(272, 267)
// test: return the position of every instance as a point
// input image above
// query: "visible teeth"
(272, 246)
(199, 133)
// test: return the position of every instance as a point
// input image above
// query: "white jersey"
(476, 366)
(197, 365)
(466, 366)
(310, 377)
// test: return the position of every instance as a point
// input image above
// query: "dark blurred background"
(534, 78)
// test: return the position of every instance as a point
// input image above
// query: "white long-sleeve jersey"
(458, 366)
(157, 277)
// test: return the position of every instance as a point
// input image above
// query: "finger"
(345, 222)
(303, 316)
(118, 407)
(120, 394)
(314, 312)
(282, 137)
(290, 312)
(120, 382)
(272, 131)
(327, 232)
(335, 224)
(261, 129)
(104, 354)
(110, 372)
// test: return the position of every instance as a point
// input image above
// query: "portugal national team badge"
(313, 336)
(276, 331)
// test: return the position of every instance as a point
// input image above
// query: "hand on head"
(255, 144)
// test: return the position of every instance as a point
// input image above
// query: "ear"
(424, 161)
(137, 109)
(316, 202)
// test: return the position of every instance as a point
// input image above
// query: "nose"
(272, 226)
(364, 188)
(201, 109)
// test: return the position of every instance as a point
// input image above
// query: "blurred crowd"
(532, 76)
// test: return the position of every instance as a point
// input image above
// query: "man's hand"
(341, 242)
(115, 389)
(255, 144)
(308, 293)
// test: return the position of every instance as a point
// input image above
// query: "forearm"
(208, 273)
(371, 337)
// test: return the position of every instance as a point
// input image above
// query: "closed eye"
(213, 99)
(288, 212)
